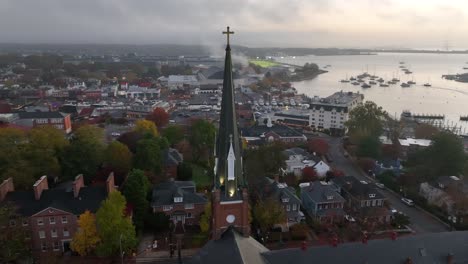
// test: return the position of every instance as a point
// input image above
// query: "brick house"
(179, 200)
(286, 196)
(36, 119)
(321, 201)
(50, 215)
(363, 200)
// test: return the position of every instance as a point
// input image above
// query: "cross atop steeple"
(227, 32)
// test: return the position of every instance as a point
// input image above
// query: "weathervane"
(227, 32)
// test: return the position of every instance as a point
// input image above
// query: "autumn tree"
(146, 127)
(130, 139)
(318, 145)
(86, 238)
(268, 213)
(174, 134)
(309, 174)
(159, 116)
(202, 139)
(46, 145)
(135, 191)
(13, 249)
(114, 227)
(205, 219)
(85, 152)
(118, 157)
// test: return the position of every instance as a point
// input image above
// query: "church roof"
(230, 248)
(422, 248)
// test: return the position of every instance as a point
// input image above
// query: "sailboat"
(428, 84)
(345, 80)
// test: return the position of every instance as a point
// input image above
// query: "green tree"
(13, 248)
(369, 146)
(264, 161)
(445, 156)
(118, 157)
(146, 127)
(366, 120)
(148, 154)
(13, 163)
(268, 213)
(202, 139)
(85, 153)
(86, 238)
(114, 227)
(135, 191)
(174, 134)
(184, 172)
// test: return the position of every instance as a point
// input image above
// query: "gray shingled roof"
(164, 193)
(30, 115)
(356, 188)
(318, 192)
(422, 249)
(90, 198)
(281, 130)
(232, 248)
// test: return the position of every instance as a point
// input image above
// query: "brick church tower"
(230, 204)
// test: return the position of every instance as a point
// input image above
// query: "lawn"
(200, 176)
(264, 63)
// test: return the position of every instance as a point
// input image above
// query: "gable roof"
(164, 193)
(357, 188)
(89, 198)
(230, 248)
(320, 192)
(30, 115)
(280, 130)
(422, 248)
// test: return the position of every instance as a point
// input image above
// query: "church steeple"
(228, 177)
(230, 199)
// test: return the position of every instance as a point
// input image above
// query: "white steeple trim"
(269, 124)
(231, 161)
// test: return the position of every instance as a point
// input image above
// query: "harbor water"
(444, 97)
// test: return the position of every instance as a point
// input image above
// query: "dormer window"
(372, 195)
(329, 197)
(178, 199)
(285, 200)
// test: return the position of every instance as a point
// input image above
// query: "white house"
(298, 159)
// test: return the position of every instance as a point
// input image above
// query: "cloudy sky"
(280, 23)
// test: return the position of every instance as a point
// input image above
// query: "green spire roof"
(227, 129)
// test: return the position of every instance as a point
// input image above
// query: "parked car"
(380, 185)
(407, 201)
(349, 218)
(115, 134)
(393, 210)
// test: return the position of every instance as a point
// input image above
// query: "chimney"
(77, 185)
(110, 185)
(450, 259)
(408, 260)
(276, 177)
(6, 187)
(39, 186)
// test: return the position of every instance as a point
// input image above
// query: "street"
(421, 221)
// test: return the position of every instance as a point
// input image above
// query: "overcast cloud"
(286, 23)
